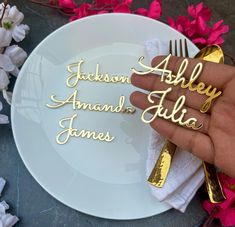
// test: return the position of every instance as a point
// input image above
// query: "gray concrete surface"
(34, 206)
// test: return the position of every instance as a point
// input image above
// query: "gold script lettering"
(159, 111)
(76, 75)
(77, 104)
(69, 132)
(169, 78)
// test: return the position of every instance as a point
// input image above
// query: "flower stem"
(3, 12)
(44, 4)
(61, 10)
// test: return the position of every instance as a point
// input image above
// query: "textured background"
(34, 206)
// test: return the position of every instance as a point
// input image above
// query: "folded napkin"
(186, 173)
(6, 219)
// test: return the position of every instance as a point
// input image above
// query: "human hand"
(215, 141)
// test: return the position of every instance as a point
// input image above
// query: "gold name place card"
(66, 124)
(76, 75)
(169, 78)
(69, 131)
(98, 107)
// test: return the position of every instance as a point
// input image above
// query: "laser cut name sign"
(67, 123)
(178, 112)
(176, 115)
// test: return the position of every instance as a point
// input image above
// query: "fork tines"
(183, 49)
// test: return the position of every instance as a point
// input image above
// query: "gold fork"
(161, 169)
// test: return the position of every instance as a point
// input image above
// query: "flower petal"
(141, 11)
(155, 10)
(9, 220)
(7, 95)
(202, 28)
(205, 13)
(226, 180)
(69, 4)
(16, 54)
(102, 12)
(6, 10)
(215, 35)
(4, 80)
(227, 217)
(171, 22)
(128, 2)
(122, 8)
(103, 3)
(15, 72)
(191, 11)
(19, 32)
(199, 40)
(198, 8)
(82, 11)
(217, 24)
(4, 119)
(5, 37)
(15, 15)
(6, 63)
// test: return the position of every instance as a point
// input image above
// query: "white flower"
(7, 95)
(19, 32)
(15, 15)
(3, 118)
(6, 219)
(6, 63)
(13, 57)
(4, 80)
(12, 23)
(16, 54)
(5, 37)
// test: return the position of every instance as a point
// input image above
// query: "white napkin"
(186, 173)
(6, 219)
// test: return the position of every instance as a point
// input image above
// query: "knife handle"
(160, 171)
(213, 185)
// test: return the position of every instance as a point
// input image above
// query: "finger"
(139, 100)
(152, 82)
(195, 142)
(217, 75)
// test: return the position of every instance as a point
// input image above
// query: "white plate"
(102, 179)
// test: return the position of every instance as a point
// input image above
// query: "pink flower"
(104, 3)
(182, 24)
(142, 12)
(217, 30)
(111, 3)
(70, 4)
(199, 11)
(105, 6)
(65, 5)
(154, 11)
(197, 27)
(225, 211)
(82, 11)
(123, 8)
